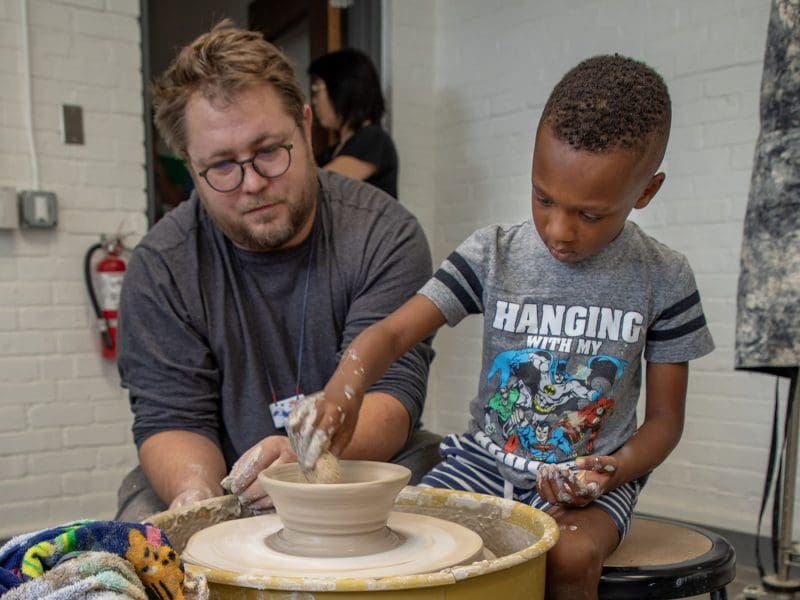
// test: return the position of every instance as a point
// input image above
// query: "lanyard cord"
(303, 318)
(302, 328)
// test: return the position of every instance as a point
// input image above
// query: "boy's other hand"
(561, 485)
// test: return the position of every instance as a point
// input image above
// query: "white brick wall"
(65, 439)
(469, 81)
(466, 149)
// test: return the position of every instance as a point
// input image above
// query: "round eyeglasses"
(270, 162)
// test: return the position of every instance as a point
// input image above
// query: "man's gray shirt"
(208, 330)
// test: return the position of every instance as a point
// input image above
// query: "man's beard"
(275, 234)
(278, 234)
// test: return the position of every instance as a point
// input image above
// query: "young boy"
(571, 300)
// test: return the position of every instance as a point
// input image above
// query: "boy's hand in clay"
(577, 486)
(308, 441)
(243, 478)
(322, 421)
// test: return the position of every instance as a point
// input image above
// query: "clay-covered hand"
(243, 478)
(192, 495)
(578, 485)
(322, 421)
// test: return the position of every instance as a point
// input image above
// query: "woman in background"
(347, 99)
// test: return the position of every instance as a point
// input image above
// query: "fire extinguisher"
(104, 287)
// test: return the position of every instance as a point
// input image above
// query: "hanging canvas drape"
(768, 304)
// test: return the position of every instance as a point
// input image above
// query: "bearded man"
(244, 296)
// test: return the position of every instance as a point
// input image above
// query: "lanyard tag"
(280, 410)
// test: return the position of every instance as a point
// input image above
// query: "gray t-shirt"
(207, 330)
(562, 343)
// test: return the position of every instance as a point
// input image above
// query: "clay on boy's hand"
(309, 441)
(583, 486)
(599, 464)
(326, 469)
(567, 485)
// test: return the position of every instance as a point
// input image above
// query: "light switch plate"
(9, 213)
(72, 121)
(38, 209)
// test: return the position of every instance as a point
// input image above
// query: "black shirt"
(373, 145)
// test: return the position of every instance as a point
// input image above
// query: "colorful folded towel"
(146, 548)
(86, 575)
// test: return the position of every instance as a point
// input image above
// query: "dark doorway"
(303, 29)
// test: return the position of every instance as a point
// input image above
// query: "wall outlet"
(9, 214)
(38, 209)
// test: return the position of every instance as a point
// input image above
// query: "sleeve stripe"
(670, 334)
(680, 306)
(467, 273)
(458, 291)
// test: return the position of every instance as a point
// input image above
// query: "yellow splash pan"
(518, 535)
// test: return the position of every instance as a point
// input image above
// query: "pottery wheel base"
(239, 545)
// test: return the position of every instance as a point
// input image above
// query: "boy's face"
(580, 199)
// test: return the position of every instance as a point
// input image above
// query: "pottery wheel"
(239, 545)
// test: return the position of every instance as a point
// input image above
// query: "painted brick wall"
(65, 439)
(469, 81)
(492, 64)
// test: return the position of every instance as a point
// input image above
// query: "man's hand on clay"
(243, 478)
(191, 496)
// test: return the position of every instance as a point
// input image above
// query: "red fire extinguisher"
(104, 285)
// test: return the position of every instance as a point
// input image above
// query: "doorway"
(302, 29)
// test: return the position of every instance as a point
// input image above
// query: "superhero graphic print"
(543, 408)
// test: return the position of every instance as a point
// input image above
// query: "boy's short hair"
(610, 102)
(218, 65)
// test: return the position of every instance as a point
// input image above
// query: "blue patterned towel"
(158, 567)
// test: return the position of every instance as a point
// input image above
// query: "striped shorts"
(468, 467)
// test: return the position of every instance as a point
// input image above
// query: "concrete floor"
(747, 585)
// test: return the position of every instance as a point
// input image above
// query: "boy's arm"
(332, 415)
(665, 408)
(382, 429)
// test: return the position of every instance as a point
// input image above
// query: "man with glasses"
(241, 299)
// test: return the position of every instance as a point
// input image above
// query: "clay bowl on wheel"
(347, 518)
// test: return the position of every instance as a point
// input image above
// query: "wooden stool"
(662, 558)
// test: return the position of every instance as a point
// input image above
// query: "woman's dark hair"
(353, 85)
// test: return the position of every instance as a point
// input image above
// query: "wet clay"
(428, 544)
(326, 470)
(325, 528)
(321, 519)
(515, 537)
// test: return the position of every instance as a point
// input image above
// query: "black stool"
(661, 558)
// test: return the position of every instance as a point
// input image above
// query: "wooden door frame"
(273, 18)
(326, 33)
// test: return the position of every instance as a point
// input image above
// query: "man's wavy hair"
(218, 65)
(608, 103)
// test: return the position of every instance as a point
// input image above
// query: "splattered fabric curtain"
(768, 304)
